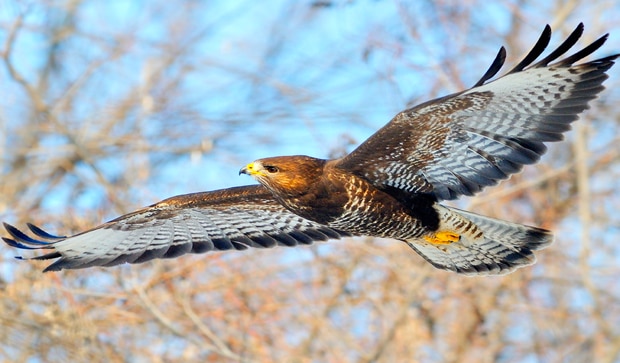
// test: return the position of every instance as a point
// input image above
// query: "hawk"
(391, 186)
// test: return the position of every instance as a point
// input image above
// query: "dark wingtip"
(20, 237)
(542, 43)
(584, 52)
(16, 244)
(56, 266)
(22, 241)
(536, 51)
(41, 233)
(497, 64)
(538, 238)
(563, 48)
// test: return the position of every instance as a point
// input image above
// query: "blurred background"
(110, 106)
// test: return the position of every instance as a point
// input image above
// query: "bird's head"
(286, 175)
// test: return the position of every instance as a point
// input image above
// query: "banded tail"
(471, 244)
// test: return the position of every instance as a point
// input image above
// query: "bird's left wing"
(459, 144)
(228, 219)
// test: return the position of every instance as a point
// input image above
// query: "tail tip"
(538, 238)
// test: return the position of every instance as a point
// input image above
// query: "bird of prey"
(390, 186)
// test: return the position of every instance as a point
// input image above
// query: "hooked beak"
(252, 169)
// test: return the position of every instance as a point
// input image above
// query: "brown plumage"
(390, 186)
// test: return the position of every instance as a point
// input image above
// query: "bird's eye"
(271, 169)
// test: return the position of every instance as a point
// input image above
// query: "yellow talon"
(443, 238)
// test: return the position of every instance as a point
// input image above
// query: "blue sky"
(261, 79)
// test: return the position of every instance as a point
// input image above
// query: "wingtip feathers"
(541, 45)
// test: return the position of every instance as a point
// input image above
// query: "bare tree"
(109, 107)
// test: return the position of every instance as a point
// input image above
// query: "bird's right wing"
(228, 219)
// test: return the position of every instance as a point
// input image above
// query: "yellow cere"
(251, 169)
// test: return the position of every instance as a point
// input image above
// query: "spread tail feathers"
(471, 244)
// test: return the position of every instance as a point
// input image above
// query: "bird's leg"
(443, 237)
